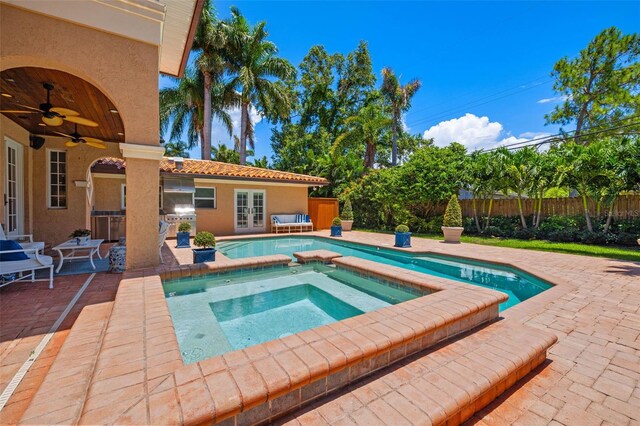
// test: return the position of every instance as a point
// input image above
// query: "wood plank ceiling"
(24, 85)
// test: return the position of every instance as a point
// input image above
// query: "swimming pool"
(517, 284)
(214, 314)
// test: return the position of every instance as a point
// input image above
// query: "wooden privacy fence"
(322, 211)
(626, 207)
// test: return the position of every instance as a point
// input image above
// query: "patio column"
(142, 214)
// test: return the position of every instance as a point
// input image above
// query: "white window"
(57, 179)
(123, 196)
(205, 198)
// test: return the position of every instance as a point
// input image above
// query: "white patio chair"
(164, 230)
(27, 245)
(35, 262)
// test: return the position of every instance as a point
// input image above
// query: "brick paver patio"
(592, 375)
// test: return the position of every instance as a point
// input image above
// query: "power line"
(519, 86)
(471, 104)
(562, 136)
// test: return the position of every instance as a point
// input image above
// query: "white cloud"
(555, 99)
(475, 133)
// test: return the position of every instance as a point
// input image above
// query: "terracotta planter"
(452, 233)
(346, 225)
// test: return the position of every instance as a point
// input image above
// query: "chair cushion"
(9, 257)
(276, 220)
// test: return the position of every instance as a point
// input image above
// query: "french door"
(250, 208)
(13, 188)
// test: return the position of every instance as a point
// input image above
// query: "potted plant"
(347, 216)
(81, 236)
(403, 236)
(336, 227)
(206, 253)
(452, 222)
(183, 235)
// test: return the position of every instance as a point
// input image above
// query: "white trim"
(10, 143)
(250, 228)
(135, 19)
(66, 184)
(215, 197)
(108, 176)
(144, 152)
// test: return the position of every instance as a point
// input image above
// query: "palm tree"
(209, 42)
(369, 126)
(399, 99)
(253, 65)
(176, 149)
(182, 107)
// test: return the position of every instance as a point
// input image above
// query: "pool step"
(444, 385)
(60, 398)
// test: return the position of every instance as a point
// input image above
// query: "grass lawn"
(624, 253)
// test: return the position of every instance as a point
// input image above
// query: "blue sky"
(484, 66)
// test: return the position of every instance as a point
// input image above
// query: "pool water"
(219, 313)
(518, 285)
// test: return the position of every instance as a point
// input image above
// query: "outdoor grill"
(182, 213)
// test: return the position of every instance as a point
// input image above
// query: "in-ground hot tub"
(215, 314)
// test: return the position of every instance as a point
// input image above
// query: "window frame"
(49, 183)
(215, 197)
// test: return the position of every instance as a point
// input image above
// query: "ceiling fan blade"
(96, 140)
(54, 121)
(18, 111)
(81, 120)
(65, 111)
(95, 143)
(63, 134)
(71, 144)
(30, 107)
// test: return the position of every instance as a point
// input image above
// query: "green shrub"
(347, 211)
(204, 239)
(453, 213)
(627, 239)
(402, 229)
(336, 222)
(184, 227)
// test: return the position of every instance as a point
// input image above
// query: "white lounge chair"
(35, 262)
(164, 230)
(27, 245)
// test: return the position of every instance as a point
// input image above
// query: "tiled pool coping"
(138, 364)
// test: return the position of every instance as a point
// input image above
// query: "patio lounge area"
(589, 376)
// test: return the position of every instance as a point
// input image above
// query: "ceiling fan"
(53, 116)
(76, 139)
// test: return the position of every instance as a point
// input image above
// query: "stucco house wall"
(279, 199)
(126, 71)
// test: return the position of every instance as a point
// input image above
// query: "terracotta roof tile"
(225, 170)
